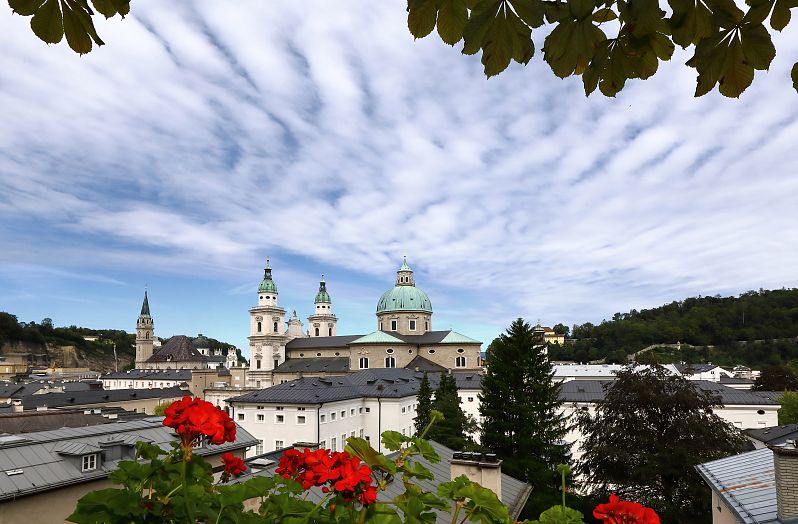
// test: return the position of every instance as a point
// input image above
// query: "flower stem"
(189, 511)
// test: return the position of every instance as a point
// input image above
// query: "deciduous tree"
(647, 435)
(607, 42)
(788, 413)
(776, 378)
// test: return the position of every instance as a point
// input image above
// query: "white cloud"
(206, 135)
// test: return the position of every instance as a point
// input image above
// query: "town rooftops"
(593, 391)
(46, 460)
(746, 483)
(150, 374)
(179, 348)
(774, 435)
(369, 383)
(95, 397)
(514, 492)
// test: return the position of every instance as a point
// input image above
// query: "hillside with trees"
(42, 339)
(756, 328)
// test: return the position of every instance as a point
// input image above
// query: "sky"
(205, 137)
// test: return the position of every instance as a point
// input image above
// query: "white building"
(328, 410)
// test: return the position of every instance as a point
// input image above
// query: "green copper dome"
(404, 298)
(322, 297)
(267, 285)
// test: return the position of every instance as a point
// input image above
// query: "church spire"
(267, 285)
(145, 306)
(322, 297)
(404, 277)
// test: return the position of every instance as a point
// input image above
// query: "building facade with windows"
(404, 334)
(328, 410)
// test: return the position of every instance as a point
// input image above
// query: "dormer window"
(89, 462)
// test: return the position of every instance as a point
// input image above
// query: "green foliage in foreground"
(788, 413)
(164, 487)
(607, 42)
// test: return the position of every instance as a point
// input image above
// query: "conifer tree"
(520, 408)
(453, 430)
(424, 406)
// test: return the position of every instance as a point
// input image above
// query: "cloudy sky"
(207, 136)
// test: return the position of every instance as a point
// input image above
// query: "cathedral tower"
(267, 332)
(145, 334)
(322, 323)
(405, 309)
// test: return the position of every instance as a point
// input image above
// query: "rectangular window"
(260, 407)
(361, 432)
(360, 410)
(323, 444)
(278, 444)
(343, 441)
(412, 325)
(90, 462)
(332, 415)
(368, 410)
(404, 410)
(300, 419)
(393, 325)
(352, 411)
(259, 447)
(279, 408)
(333, 447)
(343, 414)
(322, 418)
(352, 434)
(240, 416)
(261, 417)
(279, 419)
(300, 409)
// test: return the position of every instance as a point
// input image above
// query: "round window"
(318, 354)
(461, 350)
(584, 408)
(389, 350)
(431, 351)
(410, 351)
(301, 354)
(337, 354)
(760, 412)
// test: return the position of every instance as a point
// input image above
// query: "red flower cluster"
(620, 512)
(344, 473)
(233, 465)
(193, 418)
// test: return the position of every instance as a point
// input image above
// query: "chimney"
(16, 405)
(785, 462)
(300, 446)
(483, 468)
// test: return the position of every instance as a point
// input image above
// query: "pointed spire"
(145, 307)
(267, 285)
(405, 266)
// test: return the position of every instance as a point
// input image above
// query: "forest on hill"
(755, 328)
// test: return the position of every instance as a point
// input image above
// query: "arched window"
(460, 362)
(259, 327)
(317, 332)
(364, 362)
(275, 327)
(390, 362)
(146, 334)
(276, 362)
(329, 334)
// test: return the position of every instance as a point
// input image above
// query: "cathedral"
(403, 338)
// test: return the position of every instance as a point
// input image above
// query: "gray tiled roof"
(8, 390)
(514, 492)
(314, 365)
(746, 483)
(422, 364)
(45, 463)
(157, 374)
(593, 391)
(775, 434)
(321, 342)
(373, 383)
(177, 349)
(92, 397)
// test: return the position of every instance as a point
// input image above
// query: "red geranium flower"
(339, 472)
(233, 465)
(193, 418)
(620, 512)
